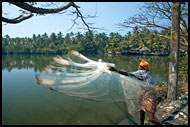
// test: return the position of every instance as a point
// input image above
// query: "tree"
(100, 41)
(89, 45)
(158, 15)
(150, 17)
(29, 9)
(174, 52)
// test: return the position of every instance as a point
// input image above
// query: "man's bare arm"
(118, 71)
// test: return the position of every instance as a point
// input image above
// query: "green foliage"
(183, 68)
(88, 43)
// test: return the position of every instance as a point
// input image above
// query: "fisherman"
(147, 100)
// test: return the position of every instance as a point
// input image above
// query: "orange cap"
(145, 65)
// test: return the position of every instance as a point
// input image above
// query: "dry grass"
(162, 90)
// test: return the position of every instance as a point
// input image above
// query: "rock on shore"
(172, 112)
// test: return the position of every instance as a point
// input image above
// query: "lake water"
(26, 102)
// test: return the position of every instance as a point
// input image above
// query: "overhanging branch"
(16, 20)
(38, 10)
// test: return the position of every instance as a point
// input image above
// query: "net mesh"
(76, 75)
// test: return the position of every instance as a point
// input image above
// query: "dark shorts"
(148, 101)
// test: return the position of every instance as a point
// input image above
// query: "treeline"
(88, 43)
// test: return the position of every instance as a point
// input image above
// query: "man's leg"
(152, 119)
(142, 116)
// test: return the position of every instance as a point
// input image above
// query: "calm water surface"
(26, 102)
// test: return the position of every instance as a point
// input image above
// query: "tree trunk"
(174, 52)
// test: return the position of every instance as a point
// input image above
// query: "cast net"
(76, 75)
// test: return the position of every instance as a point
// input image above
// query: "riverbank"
(173, 112)
(168, 112)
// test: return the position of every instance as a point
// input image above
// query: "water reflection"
(36, 62)
(158, 64)
(25, 102)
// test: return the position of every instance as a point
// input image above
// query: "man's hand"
(112, 69)
(118, 71)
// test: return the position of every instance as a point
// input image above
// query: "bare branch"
(58, 10)
(38, 10)
(140, 20)
(184, 24)
(82, 18)
(16, 20)
(74, 23)
(168, 37)
(78, 13)
(184, 40)
(152, 13)
(164, 11)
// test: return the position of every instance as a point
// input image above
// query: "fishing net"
(76, 75)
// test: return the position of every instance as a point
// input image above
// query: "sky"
(108, 15)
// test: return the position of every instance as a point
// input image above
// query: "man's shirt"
(142, 75)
